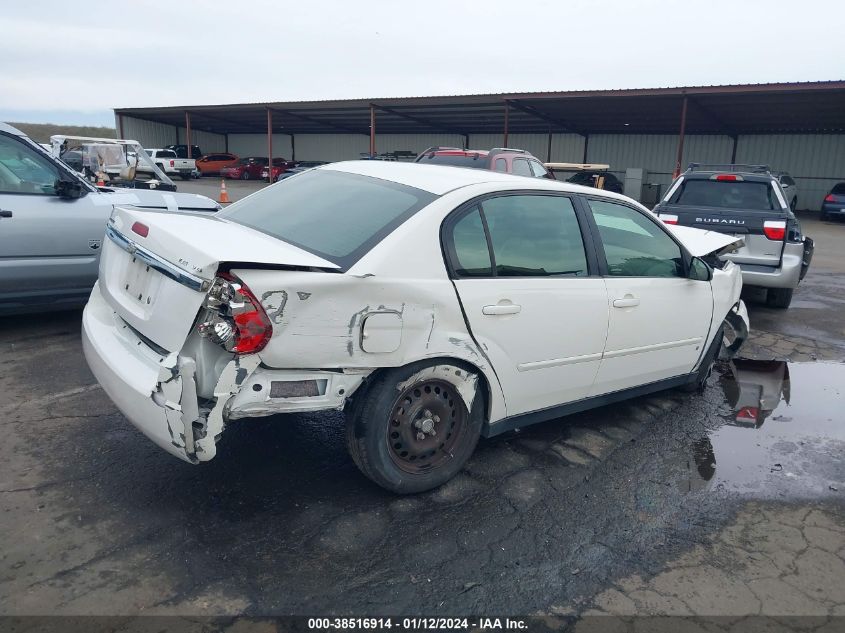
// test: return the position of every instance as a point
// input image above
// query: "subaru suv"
(507, 160)
(746, 201)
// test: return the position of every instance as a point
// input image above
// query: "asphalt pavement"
(674, 503)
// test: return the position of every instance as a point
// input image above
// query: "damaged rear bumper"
(147, 388)
(158, 393)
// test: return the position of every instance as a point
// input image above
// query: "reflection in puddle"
(786, 432)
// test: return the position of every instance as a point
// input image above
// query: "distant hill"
(41, 132)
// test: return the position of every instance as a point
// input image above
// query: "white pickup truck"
(168, 162)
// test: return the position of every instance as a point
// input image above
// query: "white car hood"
(701, 243)
(151, 199)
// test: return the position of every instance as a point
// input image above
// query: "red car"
(246, 168)
(280, 165)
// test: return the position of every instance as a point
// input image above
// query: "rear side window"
(471, 255)
(335, 215)
(758, 196)
(530, 235)
(501, 164)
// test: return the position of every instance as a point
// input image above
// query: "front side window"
(538, 169)
(23, 170)
(335, 215)
(521, 167)
(634, 245)
(530, 235)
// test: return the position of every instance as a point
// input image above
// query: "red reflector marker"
(774, 229)
(669, 218)
(141, 229)
(747, 414)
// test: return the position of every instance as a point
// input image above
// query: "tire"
(392, 435)
(184, 177)
(245, 175)
(794, 204)
(823, 216)
(779, 297)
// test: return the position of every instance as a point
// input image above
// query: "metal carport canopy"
(783, 108)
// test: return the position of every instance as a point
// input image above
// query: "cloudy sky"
(70, 62)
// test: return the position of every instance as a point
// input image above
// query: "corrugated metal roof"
(718, 109)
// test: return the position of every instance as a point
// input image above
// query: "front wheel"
(410, 430)
(779, 297)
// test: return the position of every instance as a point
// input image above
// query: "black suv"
(505, 159)
(747, 201)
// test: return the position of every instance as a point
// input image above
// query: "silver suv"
(749, 202)
(52, 225)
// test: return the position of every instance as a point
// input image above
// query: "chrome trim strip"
(652, 348)
(556, 362)
(160, 264)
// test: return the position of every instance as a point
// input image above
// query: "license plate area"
(141, 283)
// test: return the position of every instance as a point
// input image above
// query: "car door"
(532, 300)
(49, 246)
(659, 318)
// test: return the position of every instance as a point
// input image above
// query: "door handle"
(5, 214)
(507, 308)
(628, 301)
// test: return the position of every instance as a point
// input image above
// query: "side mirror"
(699, 270)
(70, 189)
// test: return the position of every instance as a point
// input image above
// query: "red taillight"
(234, 317)
(141, 229)
(829, 198)
(775, 229)
(747, 414)
(173, 163)
(668, 218)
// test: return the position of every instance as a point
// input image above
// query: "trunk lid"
(157, 282)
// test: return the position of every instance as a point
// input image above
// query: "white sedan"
(431, 304)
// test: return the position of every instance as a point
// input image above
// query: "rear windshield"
(335, 215)
(726, 195)
(838, 189)
(476, 161)
(166, 153)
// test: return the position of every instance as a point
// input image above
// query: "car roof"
(8, 129)
(440, 179)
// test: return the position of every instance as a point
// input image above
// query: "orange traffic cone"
(224, 195)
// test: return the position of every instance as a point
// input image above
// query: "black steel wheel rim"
(427, 422)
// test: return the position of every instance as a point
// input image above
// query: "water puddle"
(784, 437)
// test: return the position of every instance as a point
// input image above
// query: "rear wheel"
(794, 204)
(411, 430)
(779, 297)
(245, 175)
